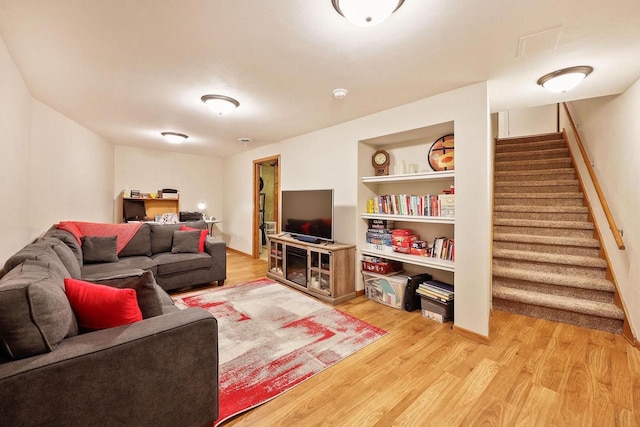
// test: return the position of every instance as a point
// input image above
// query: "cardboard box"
(387, 290)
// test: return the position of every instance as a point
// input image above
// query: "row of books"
(443, 248)
(404, 204)
(436, 290)
(437, 299)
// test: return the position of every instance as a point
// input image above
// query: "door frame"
(256, 199)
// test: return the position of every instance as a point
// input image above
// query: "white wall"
(328, 158)
(71, 171)
(528, 121)
(53, 169)
(610, 130)
(197, 178)
(15, 112)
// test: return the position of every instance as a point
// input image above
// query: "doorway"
(266, 202)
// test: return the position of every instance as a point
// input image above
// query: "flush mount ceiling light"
(340, 93)
(174, 137)
(366, 13)
(220, 104)
(566, 79)
(245, 141)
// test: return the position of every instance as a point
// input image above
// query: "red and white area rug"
(271, 338)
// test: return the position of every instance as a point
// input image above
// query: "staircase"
(546, 261)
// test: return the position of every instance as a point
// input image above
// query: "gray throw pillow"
(185, 241)
(143, 282)
(140, 243)
(99, 249)
(35, 314)
(162, 237)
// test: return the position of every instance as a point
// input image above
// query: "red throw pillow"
(100, 306)
(203, 236)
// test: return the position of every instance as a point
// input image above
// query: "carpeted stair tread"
(552, 182)
(514, 147)
(580, 225)
(531, 138)
(546, 240)
(572, 281)
(543, 153)
(550, 258)
(541, 209)
(573, 195)
(593, 308)
(533, 163)
(542, 172)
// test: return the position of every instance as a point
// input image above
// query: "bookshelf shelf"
(438, 264)
(411, 218)
(410, 177)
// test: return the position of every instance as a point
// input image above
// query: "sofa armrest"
(217, 248)
(158, 372)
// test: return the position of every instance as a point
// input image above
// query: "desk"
(210, 224)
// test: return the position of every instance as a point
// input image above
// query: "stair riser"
(546, 189)
(537, 202)
(593, 322)
(514, 148)
(536, 176)
(560, 232)
(564, 291)
(554, 136)
(550, 249)
(596, 273)
(532, 166)
(531, 155)
(543, 216)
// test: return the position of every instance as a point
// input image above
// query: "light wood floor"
(534, 373)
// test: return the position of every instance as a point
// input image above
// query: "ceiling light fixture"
(220, 104)
(174, 137)
(566, 79)
(340, 93)
(366, 13)
(245, 141)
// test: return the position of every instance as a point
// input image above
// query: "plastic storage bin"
(387, 290)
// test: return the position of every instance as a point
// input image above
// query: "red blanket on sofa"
(125, 232)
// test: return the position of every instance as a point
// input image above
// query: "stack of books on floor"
(436, 300)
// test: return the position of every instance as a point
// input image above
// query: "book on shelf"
(413, 205)
(431, 295)
(438, 285)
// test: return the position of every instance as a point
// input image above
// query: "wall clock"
(380, 161)
(441, 154)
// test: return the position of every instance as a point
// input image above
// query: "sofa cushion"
(162, 237)
(100, 306)
(99, 249)
(203, 236)
(169, 263)
(143, 283)
(66, 256)
(68, 239)
(39, 251)
(105, 269)
(35, 315)
(140, 243)
(185, 242)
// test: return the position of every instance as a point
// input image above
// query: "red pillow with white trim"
(101, 307)
(203, 236)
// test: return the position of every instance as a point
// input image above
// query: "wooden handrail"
(605, 206)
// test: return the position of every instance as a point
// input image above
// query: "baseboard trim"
(360, 293)
(239, 252)
(471, 335)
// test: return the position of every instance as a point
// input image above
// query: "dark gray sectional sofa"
(160, 371)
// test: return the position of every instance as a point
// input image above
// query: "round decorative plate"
(441, 154)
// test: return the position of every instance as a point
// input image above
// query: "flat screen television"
(307, 215)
